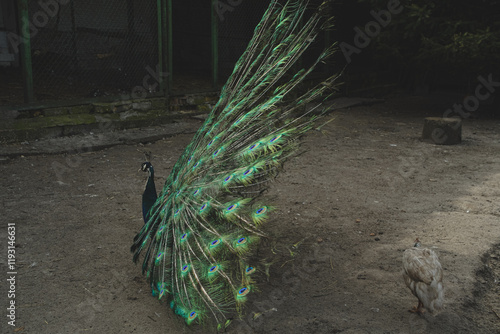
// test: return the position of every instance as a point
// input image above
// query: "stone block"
(442, 131)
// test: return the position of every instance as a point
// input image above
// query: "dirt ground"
(361, 191)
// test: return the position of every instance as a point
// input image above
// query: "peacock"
(202, 229)
(423, 275)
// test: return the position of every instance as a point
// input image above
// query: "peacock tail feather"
(199, 234)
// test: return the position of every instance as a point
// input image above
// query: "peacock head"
(146, 166)
(417, 243)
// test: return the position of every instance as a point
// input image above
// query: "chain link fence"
(95, 48)
(110, 48)
(84, 49)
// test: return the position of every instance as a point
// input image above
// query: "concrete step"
(45, 123)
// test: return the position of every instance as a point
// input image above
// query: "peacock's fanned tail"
(207, 219)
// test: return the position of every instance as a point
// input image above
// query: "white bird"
(423, 275)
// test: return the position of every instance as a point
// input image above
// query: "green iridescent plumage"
(200, 232)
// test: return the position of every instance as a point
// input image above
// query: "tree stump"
(442, 131)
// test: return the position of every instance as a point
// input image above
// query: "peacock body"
(200, 230)
(423, 275)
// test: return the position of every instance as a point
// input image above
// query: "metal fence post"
(170, 67)
(25, 51)
(215, 43)
(165, 43)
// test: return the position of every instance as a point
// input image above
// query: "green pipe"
(159, 15)
(74, 50)
(168, 14)
(130, 32)
(25, 51)
(215, 43)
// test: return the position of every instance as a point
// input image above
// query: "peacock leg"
(418, 309)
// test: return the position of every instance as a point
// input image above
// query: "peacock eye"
(261, 210)
(275, 138)
(192, 315)
(243, 292)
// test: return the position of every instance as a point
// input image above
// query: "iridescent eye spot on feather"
(213, 269)
(215, 243)
(216, 152)
(184, 237)
(177, 212)
(227, 179)
(243, 292)
(241, 241)
(249, 270)
(203, 207)
(159, 257)
(254, 146)
(192, 316)
(185, 268)
(261, 211)
(160, 231)
(196, 192)
(275, 138)
(248, 171)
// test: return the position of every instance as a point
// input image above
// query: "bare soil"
(362, 189)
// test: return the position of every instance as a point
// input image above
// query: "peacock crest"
(202, 227)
